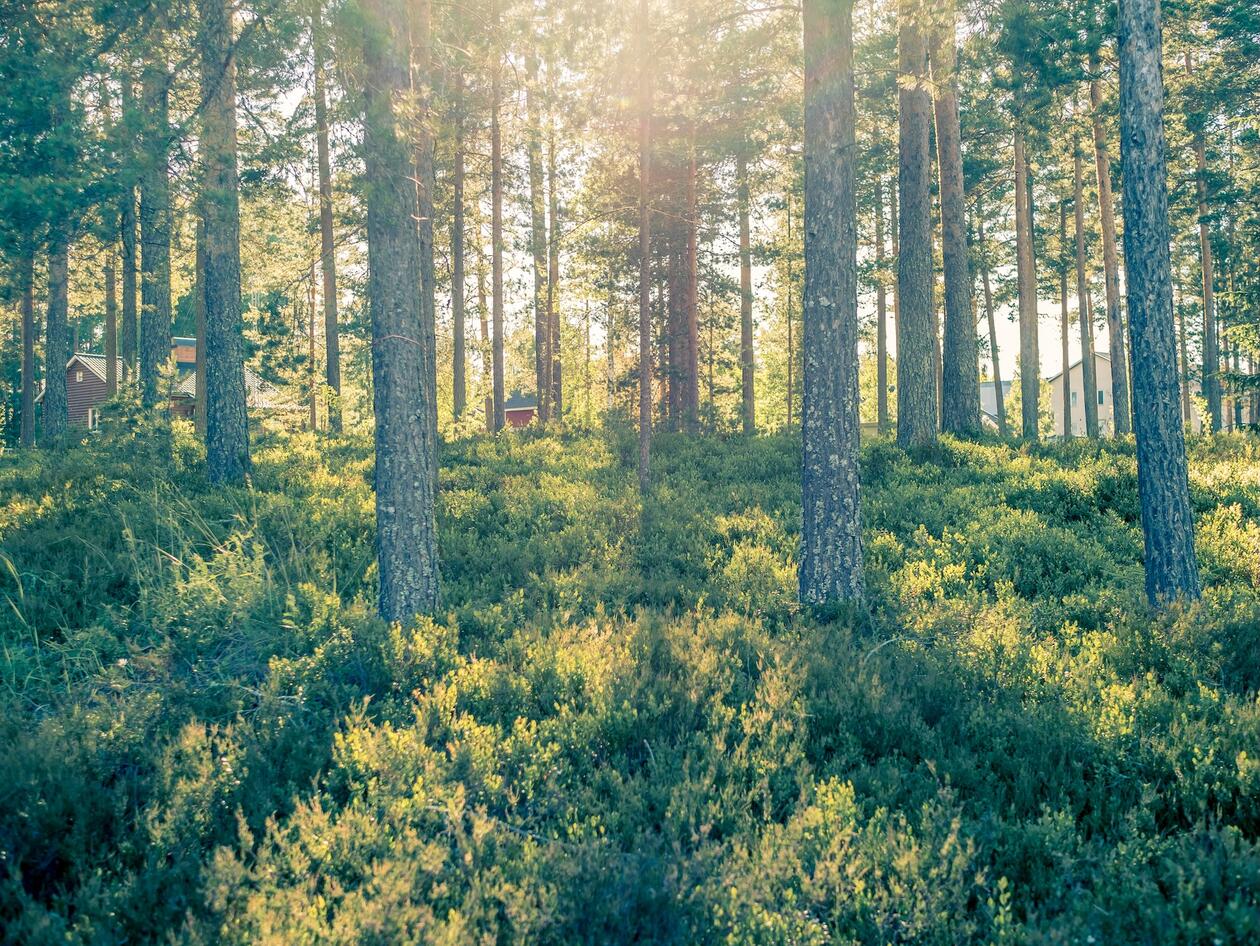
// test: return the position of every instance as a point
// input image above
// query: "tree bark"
(1065, 324)
(111, 321)
(537, 232)
(747, 357)
(998, 391)
(327, 242)
(1211, 343)
(645, 249)
(1111, 264)
(496, 225)
(1084, 311)
(960, 382)
(127, 335)
(1029, 356)
(155, 231)
(831, 534)
(553, 274)
(916, 374)
(691, 304)
(28, 350)
(405, 485)
(881, 314)
(459, 383)
(57, 340)
(199, 310)
(1167, 522)
(227, 425)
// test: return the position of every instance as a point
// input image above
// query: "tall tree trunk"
(831, 534)
(881, 314)
(1211, 344)
(553, 272)
(747, 357)
(422, 68)
(1163, 489)
(691, 303)
(960, 383)
(127, 335)
(312, 366)
(791, 316)
(111, 321)
(1111, 264)
(405, 486)
(28, 349)
(227, 425)
(57, 340)
(1083, 308)
(1065, 324)
(645, 249)
(459, 384)
(496, 224)
(199, 310)
(916, 374)
(998, 391)
(155, 230)
(1029, 356)
(327, 244)
(537, 230)
(1183, 374)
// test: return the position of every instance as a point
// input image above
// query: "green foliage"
(621, 728)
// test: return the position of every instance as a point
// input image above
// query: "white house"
(1106, 411)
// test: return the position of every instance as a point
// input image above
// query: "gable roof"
(1098, 354)
(258, 393)
(520, 402)
(93, 363)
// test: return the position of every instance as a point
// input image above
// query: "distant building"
(86, 391)
(989, 404)
(520, 409)
(1106, 410)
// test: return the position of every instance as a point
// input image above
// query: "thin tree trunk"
(227, 425)
(791, 293)
(199, 312)
(405, 485)
(553, 274)
(1083, 309)
(645, 249)
(537, 230)
(881, 314)
(496, 224)
(127, 221)
(327, 244)
(916, 374)
(57, 340)
(998, 391)
(691, 303)
(459, 383)
(312, 367)
(747, 357)
(1211, 344)
(28, 350)
(831, 534)
(1111, 264)
(1163, 489)
(1029, 367)
(155, 231)
(111, 321)
(960, 383)
(422, 67)
(1065, 324)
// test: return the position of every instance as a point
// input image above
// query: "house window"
(1102, 398)
(92, 418)
(1074, 399)
(78, 377)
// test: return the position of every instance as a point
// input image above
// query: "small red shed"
(519, 410)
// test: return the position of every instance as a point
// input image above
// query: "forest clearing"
(662, 471)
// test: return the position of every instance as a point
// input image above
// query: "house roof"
(520, 402)
(258, 393)
(93, 363)
(1098, 354)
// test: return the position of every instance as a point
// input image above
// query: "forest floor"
(620, 728)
